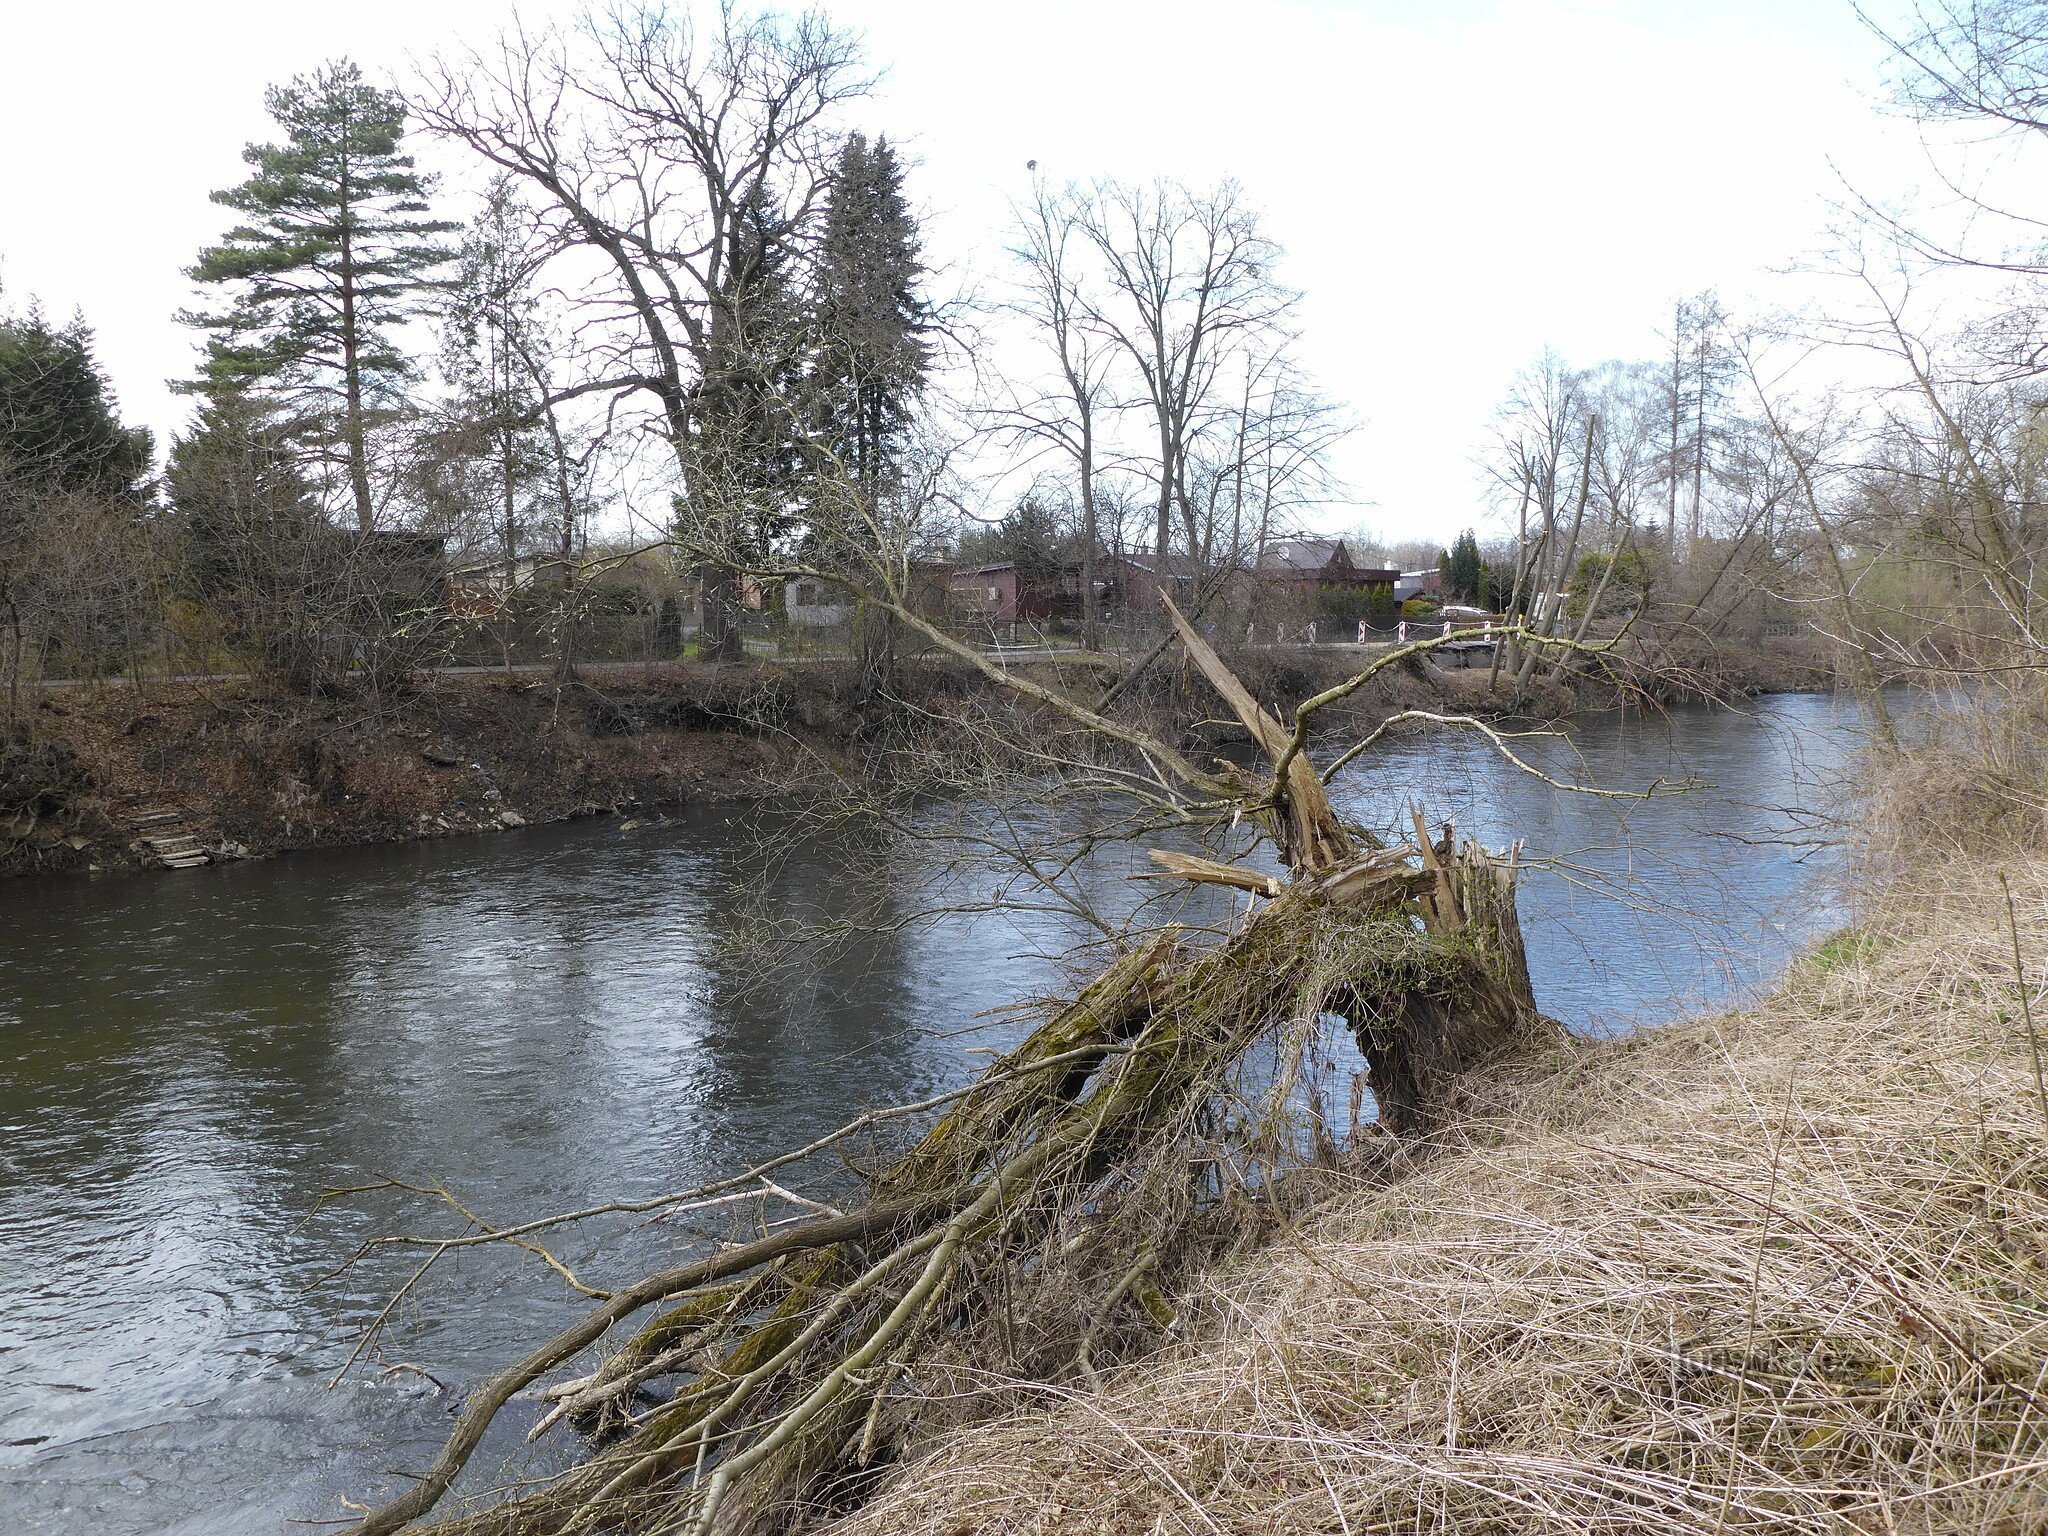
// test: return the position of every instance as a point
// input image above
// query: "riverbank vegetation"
(1773, 1271)
(520, 414)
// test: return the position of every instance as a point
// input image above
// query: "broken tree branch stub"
(823, 1348)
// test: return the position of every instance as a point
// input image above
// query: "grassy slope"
(1784, 1269)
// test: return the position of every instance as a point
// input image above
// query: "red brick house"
(1001, 594)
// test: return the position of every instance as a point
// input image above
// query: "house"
(1002, 594)
(1132, 582)
(811, 602)
(1429, 583)
(1307, 566)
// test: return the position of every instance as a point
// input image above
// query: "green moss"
(1852, 946)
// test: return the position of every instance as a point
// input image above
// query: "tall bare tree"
(1188, 284)
(676, 164)
(1066, 413)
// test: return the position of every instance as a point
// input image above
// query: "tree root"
(1045, 1219)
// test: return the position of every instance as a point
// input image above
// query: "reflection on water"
(546, 1019)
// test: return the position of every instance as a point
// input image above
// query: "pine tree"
(872, 322)
(336, 251)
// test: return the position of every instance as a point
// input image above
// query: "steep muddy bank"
(112, 776)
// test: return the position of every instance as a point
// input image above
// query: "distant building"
(812, 603)
(1002, 594)
(1306, 566)
(1134, 580)
(1429, 583)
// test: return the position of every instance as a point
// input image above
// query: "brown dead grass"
(1970, 780)
(1784, 1270)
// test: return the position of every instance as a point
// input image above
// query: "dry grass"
(1971, 779)
(1781, 1270)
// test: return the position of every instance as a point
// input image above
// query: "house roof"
(986, 570)
(1178, 565)
(1302, 556)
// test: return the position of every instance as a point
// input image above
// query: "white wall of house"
(816, 604)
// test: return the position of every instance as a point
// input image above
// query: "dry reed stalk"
(1783, 1270)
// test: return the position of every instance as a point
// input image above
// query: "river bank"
(1776, 1269)
(551, 1018)
(114, 776)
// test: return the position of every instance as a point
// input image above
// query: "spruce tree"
(335, 252)
(59, 434)
(872, 322)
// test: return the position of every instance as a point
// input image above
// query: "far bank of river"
(112, 776)
(548, 1018)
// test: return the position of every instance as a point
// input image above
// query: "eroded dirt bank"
(115, 776)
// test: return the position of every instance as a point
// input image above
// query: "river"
(549, 1018)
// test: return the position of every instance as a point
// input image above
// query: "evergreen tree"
(71, 484)
(1464, 570)
(872, 349)
(59, 433)
(334, 253)
(257, 550)
(1030, 538)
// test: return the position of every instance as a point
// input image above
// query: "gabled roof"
(1302, 556)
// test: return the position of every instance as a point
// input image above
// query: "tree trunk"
(1481, 1010)
(874, 645)
(1090, 617)
(352, 428)
(718, 637)
(1677, 411)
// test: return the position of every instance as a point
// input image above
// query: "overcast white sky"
(1458, 182)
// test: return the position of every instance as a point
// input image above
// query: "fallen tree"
(1047, 1214)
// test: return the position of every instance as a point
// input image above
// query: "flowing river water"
(552, 1018)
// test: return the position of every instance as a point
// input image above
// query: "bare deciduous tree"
(1189, 287)
(676, 165)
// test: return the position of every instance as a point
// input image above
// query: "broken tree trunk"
(1098, 1165)
(1422, 1044)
